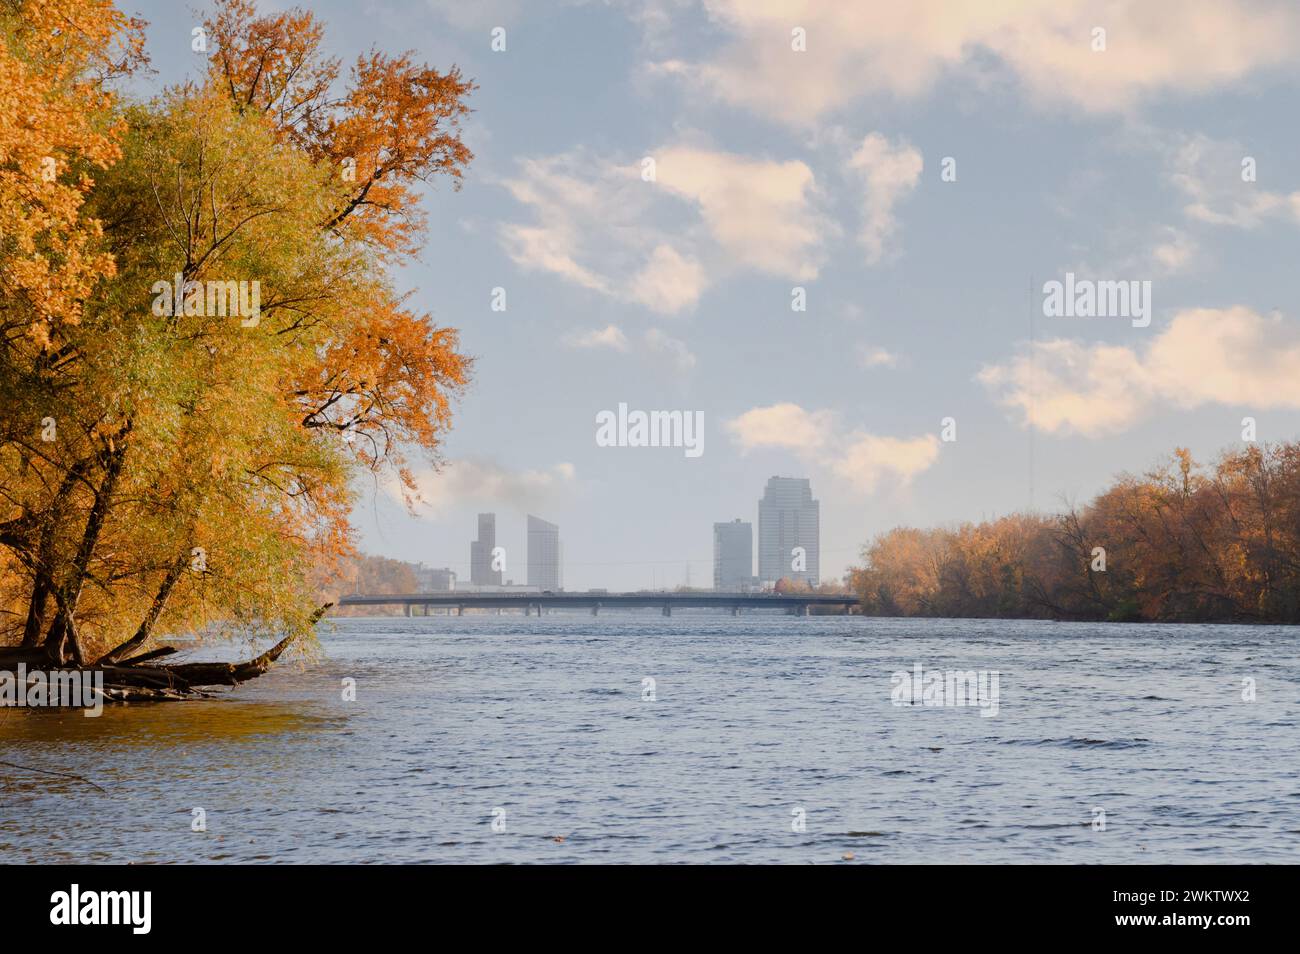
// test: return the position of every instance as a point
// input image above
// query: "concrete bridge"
(799, 604)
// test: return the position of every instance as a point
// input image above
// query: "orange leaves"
(272, 65)
(53, 59)
(397, 123)
(400, 124)
(386, 381)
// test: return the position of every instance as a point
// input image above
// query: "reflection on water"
(751, 719)
(160, 724)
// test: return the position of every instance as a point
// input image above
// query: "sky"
(658, 186)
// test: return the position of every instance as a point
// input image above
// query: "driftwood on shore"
(139, 679)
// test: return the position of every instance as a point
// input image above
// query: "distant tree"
(792, 585)
(1177, 543)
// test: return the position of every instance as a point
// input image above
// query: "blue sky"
(822, 168)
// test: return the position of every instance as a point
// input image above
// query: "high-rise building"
(480, 553)
(789, 532)
(545, 555)
(733, 555)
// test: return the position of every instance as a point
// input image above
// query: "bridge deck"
(559, 598)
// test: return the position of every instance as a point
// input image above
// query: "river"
(759, 739)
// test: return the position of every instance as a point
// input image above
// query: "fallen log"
(134, 681)
(225, 674)
(144, 657)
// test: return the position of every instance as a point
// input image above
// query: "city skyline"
(787, 509)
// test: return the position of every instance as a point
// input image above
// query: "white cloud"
(483, 481)
(888, 174)
(781, 425)
(1153, 47)
(1230, 356)
(1061, 386)
(875, 357)
(568, 195)
(661, 244)
(759, 211)
(611, 336)
(1209, 173)
(869, 459)
(669, 282)
(861, 459)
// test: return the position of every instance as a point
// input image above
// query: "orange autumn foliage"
(198, 467)
(1178, 543)
(54, 97)
(395, 124)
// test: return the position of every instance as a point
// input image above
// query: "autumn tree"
(234, 356)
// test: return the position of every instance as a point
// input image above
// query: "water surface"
(546, 722)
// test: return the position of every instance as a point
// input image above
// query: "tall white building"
(733, 555)
(789, 532)
(545, 555)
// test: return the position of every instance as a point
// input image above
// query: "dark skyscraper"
(733, 555)
(480, 553)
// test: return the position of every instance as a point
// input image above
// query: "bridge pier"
(595, 609)
(735, 611)
(668, 609)
(460, 611)
(409, 614)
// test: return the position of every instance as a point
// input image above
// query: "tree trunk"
(62, 642)
(43, 568)
(155, 610)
